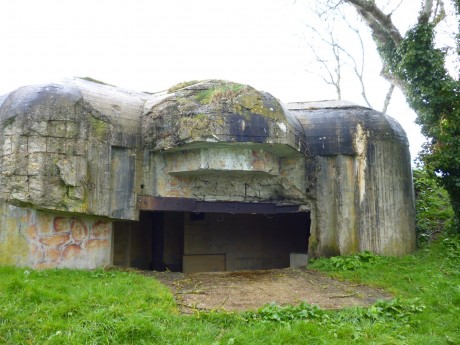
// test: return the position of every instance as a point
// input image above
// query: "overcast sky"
(150, 45)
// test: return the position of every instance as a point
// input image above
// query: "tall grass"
(119, 307)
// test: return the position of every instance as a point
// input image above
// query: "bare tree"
(328, 66)
(382, 26)
(334, 56)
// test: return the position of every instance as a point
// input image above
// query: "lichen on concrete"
(212, 110)
(99, 128)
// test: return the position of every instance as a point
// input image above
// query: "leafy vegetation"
(435, 96)
(428, 288)
(382, 312)
(273, 312)
(432, 204)
(124, 307)
(352, 262)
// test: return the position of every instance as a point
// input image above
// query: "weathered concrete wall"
(227, 173)
(387, 207)
(44, 240)
(361, 181)
(337, 221)
(60, 144)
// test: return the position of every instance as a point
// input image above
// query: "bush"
(434, 213)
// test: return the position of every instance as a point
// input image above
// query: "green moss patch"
(181, 85)
(222, 91)
(100, 129)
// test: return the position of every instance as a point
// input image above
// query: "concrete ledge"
(298, 260)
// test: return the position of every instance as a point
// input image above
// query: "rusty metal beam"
(236, 207)
(151, 203)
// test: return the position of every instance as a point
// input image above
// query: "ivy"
(435, 96)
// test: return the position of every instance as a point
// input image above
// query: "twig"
(312, 283)
(191, 292)
(344, 296)
(195, 290)
(225, 301)
(191, 306)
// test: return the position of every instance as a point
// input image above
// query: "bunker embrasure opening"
(211, 241)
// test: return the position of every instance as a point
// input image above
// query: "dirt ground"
(245, 290)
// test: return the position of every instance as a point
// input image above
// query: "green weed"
(274, 312)
(350, 263)
(432, 204)
(217, 93)
(119, 307)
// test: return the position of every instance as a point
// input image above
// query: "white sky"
(150, 45)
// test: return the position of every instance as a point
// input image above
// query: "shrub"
(433, 210)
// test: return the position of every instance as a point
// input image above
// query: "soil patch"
(245, 290)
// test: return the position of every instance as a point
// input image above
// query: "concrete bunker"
(94, 175)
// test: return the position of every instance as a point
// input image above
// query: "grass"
(124, 307)
(181, 85)
(223, 90)
(431, 277)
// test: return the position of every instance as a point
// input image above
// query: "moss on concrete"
(14, 251)
(207, 109)
(181, 85)
(259, 103)
(193, 126)
(221, 92)
(100, 129)
(14, 248)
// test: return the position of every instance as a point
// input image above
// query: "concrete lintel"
(151, 203)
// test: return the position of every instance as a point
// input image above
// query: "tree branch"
(331, 75)
(426, 12)
(357, 68)
(381, 24)
(439, 12)
(388, 98)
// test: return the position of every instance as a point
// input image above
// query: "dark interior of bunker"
(210, 241)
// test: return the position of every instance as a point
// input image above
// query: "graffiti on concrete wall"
(54, 240)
